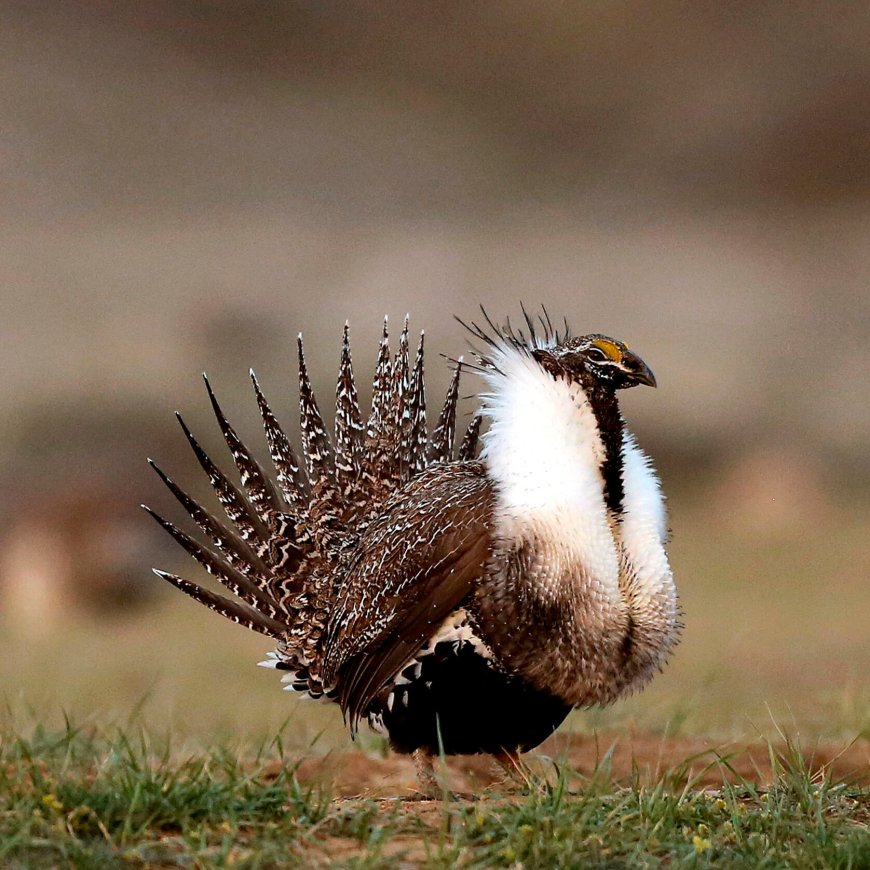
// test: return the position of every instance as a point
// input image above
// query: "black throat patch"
(610, 425)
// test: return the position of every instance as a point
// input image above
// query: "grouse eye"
(596, 354)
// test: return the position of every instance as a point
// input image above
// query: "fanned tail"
(415, 437)
(284, 459)
(281, 556)
(349, 431)
(261, 491)
(440, 447)
(232, 610)
(468, 447)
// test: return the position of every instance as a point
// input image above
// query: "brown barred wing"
(415, 564)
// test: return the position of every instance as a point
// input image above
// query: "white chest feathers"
(545, 453)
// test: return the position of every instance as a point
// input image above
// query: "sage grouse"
(458, 603)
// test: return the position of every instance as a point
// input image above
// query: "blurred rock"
(71, 554)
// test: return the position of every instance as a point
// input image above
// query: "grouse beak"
(636, 370)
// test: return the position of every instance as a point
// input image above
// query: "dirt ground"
(635, 757)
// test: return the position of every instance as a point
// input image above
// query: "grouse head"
(603, 360)
(594, 360)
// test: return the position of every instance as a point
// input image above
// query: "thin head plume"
(476, 332)
(517, 336)
(501, 338)
(530, 323)
(502, 334)
(493, 338)
(547, 324)
(484, 360)
(539, 331)
(462, 363)
(551, 334)
(507, 334)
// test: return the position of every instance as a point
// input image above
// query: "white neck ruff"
(544, 452)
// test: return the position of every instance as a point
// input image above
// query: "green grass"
(91, 797)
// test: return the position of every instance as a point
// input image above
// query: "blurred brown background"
(185, 186)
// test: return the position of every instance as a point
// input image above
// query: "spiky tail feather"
(281, 557)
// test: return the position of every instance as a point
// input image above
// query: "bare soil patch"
(642, 758)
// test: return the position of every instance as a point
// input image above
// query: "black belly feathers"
(355, 557)
(456, 702)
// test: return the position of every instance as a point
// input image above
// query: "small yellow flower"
(526, 830)
(701, 844)
(703, 830)
(52, 802)
(720, 805)
(508, 853)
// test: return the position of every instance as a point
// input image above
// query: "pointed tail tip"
(211, 396)
(186, 429)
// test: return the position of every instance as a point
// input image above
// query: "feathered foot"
(510, 764)
(424, 764)
(431, 788)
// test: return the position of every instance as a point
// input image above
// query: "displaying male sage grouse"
(457, 603)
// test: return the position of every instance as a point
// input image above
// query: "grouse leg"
(424, 764)
(509, 762)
